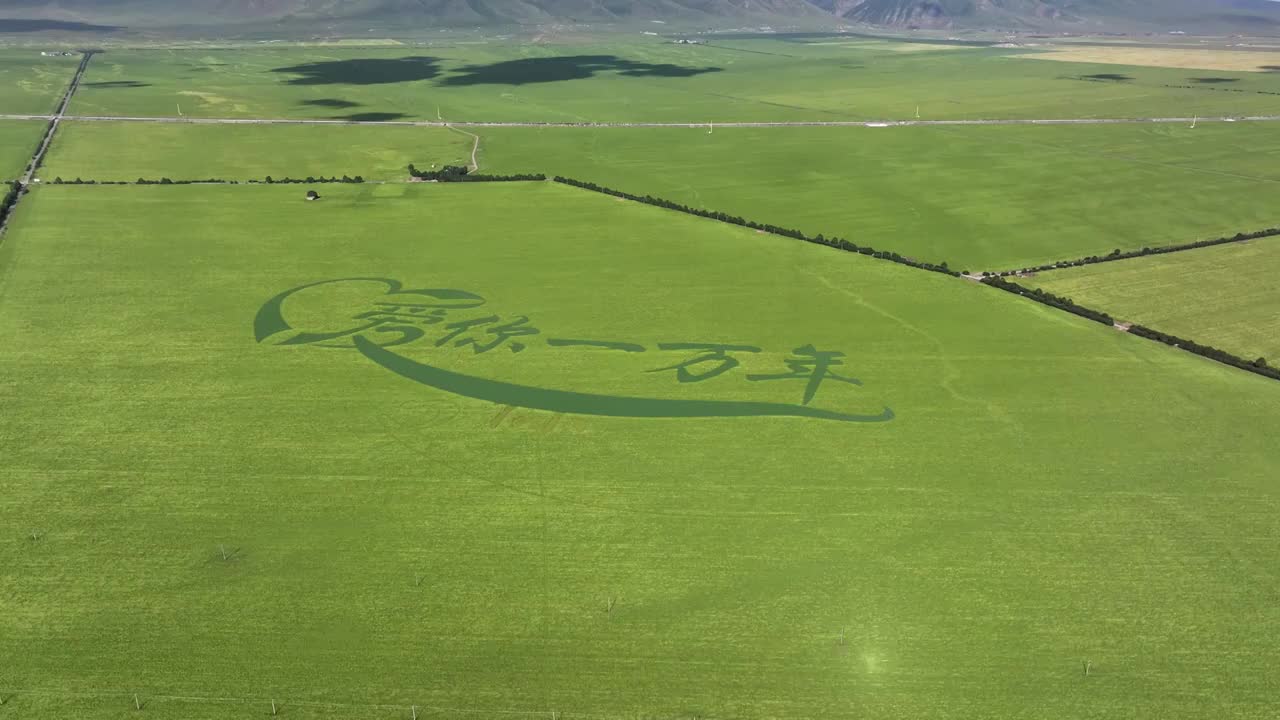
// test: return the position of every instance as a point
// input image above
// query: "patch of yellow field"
(205, 97)
(1186, 58)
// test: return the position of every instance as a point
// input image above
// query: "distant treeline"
(268, 180)
(13, 191)
(144, 181)
(458, 173)
(1222, 89)
(1049, 299)
(833, 242)
(1119, 255)
(1258, 366)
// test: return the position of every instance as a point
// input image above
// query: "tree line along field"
(979, 198)
(1221, 296)
(31, 84)
(252, 521)
(653, 80)
(18, 141)
(128, 151)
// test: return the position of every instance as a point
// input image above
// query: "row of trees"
(458, 173)
(13, 191)
(1117, 254)
(833, 242)
(144, 181)
(309, 180)
(1222, 89)
(1048, 298)
(1258, 366)
(37, 159)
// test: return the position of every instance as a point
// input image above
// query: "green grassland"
(1031, 507)
(980, 198)
(127, 151)
(31, 84)
(18, 140)
(651, 80)
(1223, 296)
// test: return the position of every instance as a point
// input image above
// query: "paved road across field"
(815, 123)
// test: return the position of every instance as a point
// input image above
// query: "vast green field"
(18, 140)
(127, 151)
(31, 84)
(193, 514)
(654, 80)
(1223, 296)
(986, 198)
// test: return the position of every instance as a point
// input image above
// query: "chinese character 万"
(813, 365)
(711, 361)
(501, 333)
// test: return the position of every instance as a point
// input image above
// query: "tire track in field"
(951, 374)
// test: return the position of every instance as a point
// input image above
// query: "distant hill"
(1196, 15)
(1084, 15)
(409, 13)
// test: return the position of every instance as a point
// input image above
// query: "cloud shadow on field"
(14, 25)
(365, 71)
(1213, 80)
(330, 103)
(1270, 68)
(370, 117)
(559, 69)
(1113, 77)
(111, 84)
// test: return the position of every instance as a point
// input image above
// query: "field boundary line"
(1117, 255)
(1257, 367)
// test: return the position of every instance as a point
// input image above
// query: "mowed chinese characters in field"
(404, 316)
(390, 543)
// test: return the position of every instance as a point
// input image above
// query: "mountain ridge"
(993, 14)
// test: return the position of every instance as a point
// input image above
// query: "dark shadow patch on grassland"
(371, 117)
(569, 67)
(112, 84)
(1107, 77)
(363, 71)
(330, 103)
(1270, 68)
(1213, 80)
(14, 25)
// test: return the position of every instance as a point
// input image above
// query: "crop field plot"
(743, 80)
(128, 151)
(396, 447)
(1222, 296)
(18, 140)
(1173, 57)
(31, 84)
(979, 198)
